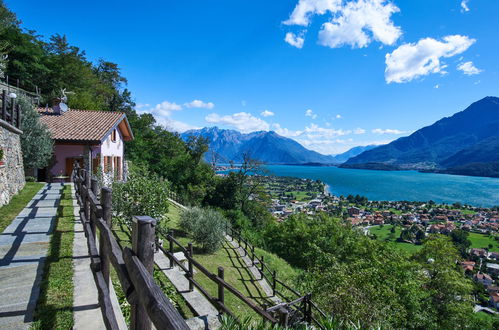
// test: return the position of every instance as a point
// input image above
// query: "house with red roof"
(80, 135)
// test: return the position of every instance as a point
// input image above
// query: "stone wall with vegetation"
(12, 170)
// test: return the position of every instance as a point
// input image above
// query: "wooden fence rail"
(218, 279)
(309, 307)
(11, 112)
(133, 266)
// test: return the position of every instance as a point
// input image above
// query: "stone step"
(15, 295)
(17, 275)
(33, 212)
(44, 203)
(28, 225)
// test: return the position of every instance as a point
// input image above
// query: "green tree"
(205, 226)
(36, 141)
(142, 194)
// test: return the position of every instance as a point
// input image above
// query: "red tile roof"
(84, 125)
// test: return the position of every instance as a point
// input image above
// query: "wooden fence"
(11, 112)
(134, 267)
(298, 303)
(218, 279)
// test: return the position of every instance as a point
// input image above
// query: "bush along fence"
(11, 112)
(295, 307)
(134, 267)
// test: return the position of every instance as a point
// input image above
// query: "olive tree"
(36, 141)
(205, 226)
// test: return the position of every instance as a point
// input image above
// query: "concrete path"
(254, 271)
(23, 249)
(199, 304)
(86, 309)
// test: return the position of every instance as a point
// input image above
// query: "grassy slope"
(236, 273)
(54, 309)
(384, 234)
(18, 202)
(483, 241)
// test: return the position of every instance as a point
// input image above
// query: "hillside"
(469, 136)
(268, 147)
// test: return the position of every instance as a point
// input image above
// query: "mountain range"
(465, 143)
(227, 145)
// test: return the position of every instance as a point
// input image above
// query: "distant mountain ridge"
(468, 137)
(269, 147)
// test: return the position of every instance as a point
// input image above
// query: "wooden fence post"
(4, 105)
(191, 268)
(18, 116)
(284, 317)
(252, 255)
(107, 216)
(221, 294)
(262, 262)
(274, 283)
(93, 218)
(143, 233)
(171, 248)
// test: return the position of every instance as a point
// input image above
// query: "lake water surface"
(399, 185)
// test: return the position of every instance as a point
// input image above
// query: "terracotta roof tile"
(80, 125)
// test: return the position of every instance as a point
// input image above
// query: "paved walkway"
(87, 312)
(254, 271)
(23, 249)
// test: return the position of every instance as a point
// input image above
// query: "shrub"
(141, 194)
(36, 141)
(30, 179)
(206, 227)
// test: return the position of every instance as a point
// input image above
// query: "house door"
(69, 165)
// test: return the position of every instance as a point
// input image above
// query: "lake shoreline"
(409, 185)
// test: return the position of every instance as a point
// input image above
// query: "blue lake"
(399, 185)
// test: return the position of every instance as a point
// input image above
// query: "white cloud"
(305, 9)
(165, 108)
(358, 22)
(162, 113)
(338, 117)
(387, 131)
(267, 113)
(310, 113)
(242, 121)
(464, 6)
(468, 68)
(359, 131)
(175, 125)
(294, 40)
(285, 132)
(200, 104)
(437, 86)
(324, 132)
(142, 106)
(413, 60)
(353, 23)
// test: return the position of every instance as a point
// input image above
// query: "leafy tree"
(460, 239)
(142, 194)
(205, 226)
(36, 141)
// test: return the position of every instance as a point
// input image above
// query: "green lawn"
(18, 202)
(384, 234)
(54, 308)
(483, 241)
(235, 270)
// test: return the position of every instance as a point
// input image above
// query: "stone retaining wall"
(12, 171)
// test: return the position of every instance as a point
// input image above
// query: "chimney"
(55, 106)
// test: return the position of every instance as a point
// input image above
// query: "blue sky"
(331, 74)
